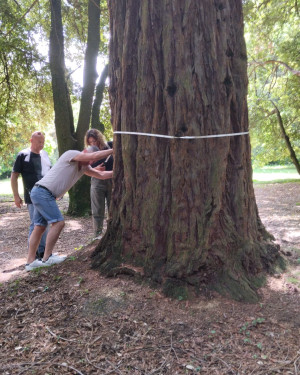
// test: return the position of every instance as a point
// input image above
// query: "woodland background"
(273, 44)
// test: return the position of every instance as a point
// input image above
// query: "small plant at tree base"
(247, 326)
(85, 291)
(37, 271)
(257, 321)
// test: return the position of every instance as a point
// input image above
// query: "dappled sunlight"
(72, 225)
(9, 220)
(12, 267)
(277, 284)
(294, 234)
(204, 305)
(279, 213)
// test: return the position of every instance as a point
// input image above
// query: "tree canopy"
(273, 43)
(25, 89)
(272, 36)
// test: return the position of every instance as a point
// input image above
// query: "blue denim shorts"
(46, 210)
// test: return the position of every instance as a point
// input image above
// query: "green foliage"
(273, 43)
(26, 94)
(25, 89)
(248, 327)
(105, 115)
(75, 21)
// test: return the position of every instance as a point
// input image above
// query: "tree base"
(240, 282)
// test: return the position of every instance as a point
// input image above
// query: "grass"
(5, 187)
(6, 192)
(278, 174)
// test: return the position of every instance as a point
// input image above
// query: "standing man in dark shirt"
(32, 163)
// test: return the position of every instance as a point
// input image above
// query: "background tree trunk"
(89, 72)
(67, 138)
(82, 187)
(64, 121)
(183, 210)
(95, 122)
(286, 138)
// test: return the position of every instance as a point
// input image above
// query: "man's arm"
(102, 175)
(14, 185)
(90, 156)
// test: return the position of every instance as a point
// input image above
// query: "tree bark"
(64, 122)
(183, 210)
(286, 139)
(90, 72)
(67, 138)
(95, 122)
(81, 188)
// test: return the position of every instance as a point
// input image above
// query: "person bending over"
(65, 173)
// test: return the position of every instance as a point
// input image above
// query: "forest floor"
(68, 319)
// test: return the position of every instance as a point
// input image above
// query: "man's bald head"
(37, 133)
(37, 141)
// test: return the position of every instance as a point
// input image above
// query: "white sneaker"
(35, 264)
(53, 260)
(56, 256)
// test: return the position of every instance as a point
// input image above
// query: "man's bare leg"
(52, 238)
(34, 241)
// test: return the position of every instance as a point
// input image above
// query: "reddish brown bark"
(184, 210)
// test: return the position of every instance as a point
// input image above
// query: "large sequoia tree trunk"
(183, 210)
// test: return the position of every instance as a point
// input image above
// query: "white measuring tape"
(185, 137)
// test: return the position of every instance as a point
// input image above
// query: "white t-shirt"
(64, 174)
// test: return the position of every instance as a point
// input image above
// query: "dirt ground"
(68, 319)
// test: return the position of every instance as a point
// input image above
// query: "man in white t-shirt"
(66, 172)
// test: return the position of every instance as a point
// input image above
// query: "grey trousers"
(100, 193)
